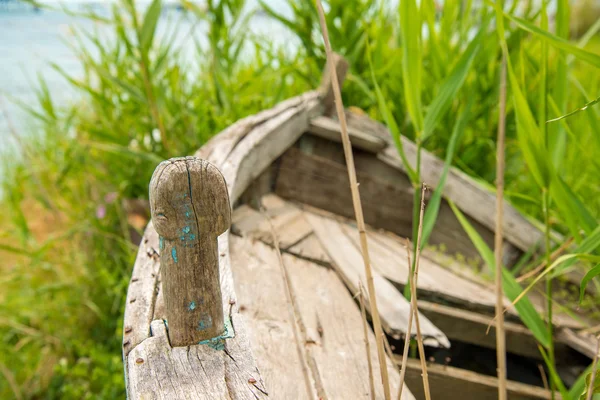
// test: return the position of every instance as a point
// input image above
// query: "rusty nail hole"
(132, 300)
(252, 381)
(222, 254)
(231, 301)
(128, 329)
(126, 343)
(242, 308)
(139, 360)
(145, 241)
(134, 280)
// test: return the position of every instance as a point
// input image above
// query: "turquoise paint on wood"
(174, 254)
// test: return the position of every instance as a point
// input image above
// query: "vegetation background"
(70, 192)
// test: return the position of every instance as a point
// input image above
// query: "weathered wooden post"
(190, 209)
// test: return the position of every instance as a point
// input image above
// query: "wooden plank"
(387, 203)
(139, 306)
(262, 302)
(159, 371)
(330, 323)
(328, 128)
(220, 146)
(471, 197)
(288, 221)
(449, 382)
(347, 260)
(262, 146)
(310, 249)
(471, 327)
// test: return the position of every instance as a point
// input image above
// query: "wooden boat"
(214, 322)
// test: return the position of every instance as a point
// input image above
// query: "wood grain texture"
(159, 371)
(190, 209)
(330, 323)
(320, 179)
(393, 307)
(327, 128)
(449, 383)
(471, 197)
(141, 294)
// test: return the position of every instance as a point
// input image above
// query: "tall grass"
(429, 71)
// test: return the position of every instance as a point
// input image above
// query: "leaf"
(588, 277)
(149, 25)
(587, 246)
(529, 315)
(410, 26)
(573, 211)
(390, 121)
(129, 88)
(583, 108)
(433, 207)
(588, 383)
(554, 375)
(556, 41)
(552, 267)
(440, 105)
(530, 139)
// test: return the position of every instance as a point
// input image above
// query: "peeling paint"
(192, 306)
(174, 254)
(161, 243)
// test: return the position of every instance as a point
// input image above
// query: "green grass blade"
(450, 86)
(588, 277)
(410, 26)
(559, 43)
(529, 315)
(390, 121)
(529, 137)
(573, 211)
(583, 108)
(149, 25)
(587, 246)
(554, 375)
(433, 206)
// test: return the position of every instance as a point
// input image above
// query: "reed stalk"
(361, 299)
(360, 222)
(408, 332)
(413, 299)
(590, 389)
(500, 333)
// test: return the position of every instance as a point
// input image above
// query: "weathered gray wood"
(326, 89)
(311, 249)
(387, 200)
(220, 146)
(139, 305)
(190, 209)
(471, 197)
(159, 371)
(288, 221)
(393, 307)
(449, 383)
(330, 325)
(329, 129)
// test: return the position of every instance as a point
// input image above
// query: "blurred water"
(31, 40)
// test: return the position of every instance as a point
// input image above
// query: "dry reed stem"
(540, 267)
(293, 310)
(544, 377)
(413, 299)
(500, 333)
(356, 202)
(590, 390)
(361, 299)
(408, 333)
